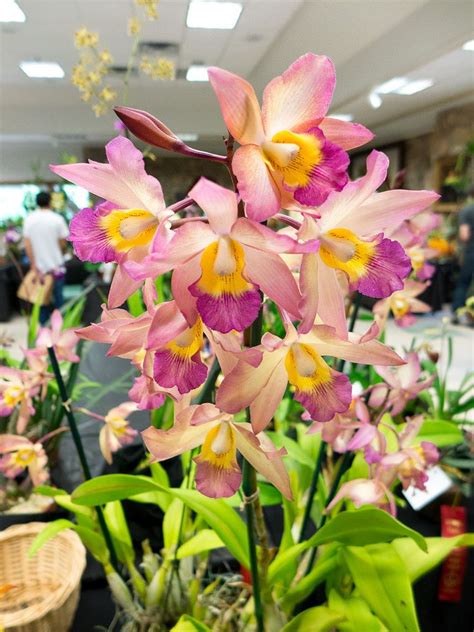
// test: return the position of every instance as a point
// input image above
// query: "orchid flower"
(415, 248)
(63, 342)
(260, 378)
(219, 267)
(218, 474)
(402, 384)
(290, 153)
(363, 491)
(122, 228)
(17, 390)
(18, 454)
(402, 304)
(116, 431)
(350, 226)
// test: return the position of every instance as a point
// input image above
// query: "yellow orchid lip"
(305, 367)
(222, 264)
(130, 228)
(342, 250)
(294, 156)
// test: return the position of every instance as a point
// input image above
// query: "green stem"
(80, 450)
(323, 446)
(249, 488)
(205, 396)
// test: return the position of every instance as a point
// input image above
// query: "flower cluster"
(20, 386)
(297, 233)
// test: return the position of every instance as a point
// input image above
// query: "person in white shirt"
(45, 233)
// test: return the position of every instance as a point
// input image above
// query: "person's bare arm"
(464, 232)
(63, 244)
(29, 252)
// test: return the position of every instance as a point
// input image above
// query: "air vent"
(120, 71)
(169, 49)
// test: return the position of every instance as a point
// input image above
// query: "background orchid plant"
(245, 370)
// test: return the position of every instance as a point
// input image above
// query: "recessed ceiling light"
(42, 69)
(413, 87)
(375, 100)
(342, 117)
(197, 73)
(209, 14)
(468, 45)
(188, 137)
(392, 85)
(11, 12)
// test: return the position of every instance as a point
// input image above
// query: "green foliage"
(319, 619)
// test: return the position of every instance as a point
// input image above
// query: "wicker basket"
(39, 594)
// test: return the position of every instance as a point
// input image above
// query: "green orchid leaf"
(172, 524)
(440, 432)
(365, 526)
(382, 580)
(117, 524)
(307, 584)
(204, 540)
(357, 612)
(47, 490)
(92, 541)
(219, 516)
(50, 531)
(418, 563)
(319, 619)
(189, 624)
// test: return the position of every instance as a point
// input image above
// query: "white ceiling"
(370, 42)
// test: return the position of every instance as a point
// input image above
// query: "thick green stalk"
(80, 450)
(249, 488)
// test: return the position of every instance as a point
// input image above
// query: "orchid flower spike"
(123, 227)
(261, 376)
(218, 474)
(290, 153)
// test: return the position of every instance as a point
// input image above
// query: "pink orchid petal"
(11, 442)
(122, 287)
(331, 307)
(409, 374)
(122, 410)
(390, 208)
(372, 352)
(167, 324)
(164, 444)
(308, 305)
(274, 278)
(183, 277)
(265, 404)
(300, 97)
(245, 383)
(256, 185)
(56, 321)
(219, 204)
(267, 463)
(338, 210)
(346, 135)
(239, 105)
(123, 181)
(260, 237)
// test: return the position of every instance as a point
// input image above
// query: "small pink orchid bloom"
(290, 153)
(18, 454)
(218, 474)
(260, 380)
(362, 491)
(145, 392)
(63, 342)
(415, 247)
(402, 384)
(350, 226)
(410, 462)
(402, 304)
(219, 267)
(17, 389)
(122, 228)
(116, 431)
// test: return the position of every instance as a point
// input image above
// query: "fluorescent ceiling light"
(11, 12)
(209, 14)
(342, 117)
(188, 136)
(468, 45)
(42, 69)
(375, 100)
(392, 85)
(415, 86)
(197, 73)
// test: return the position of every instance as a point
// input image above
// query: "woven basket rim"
(58, 597)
